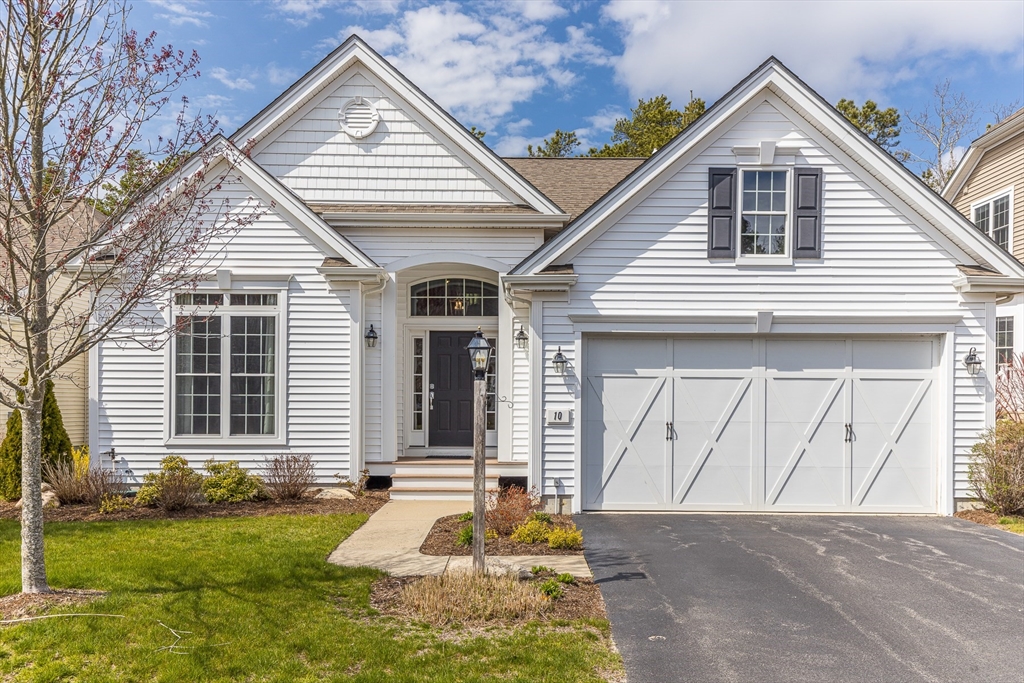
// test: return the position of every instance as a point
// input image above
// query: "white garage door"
(809, 425)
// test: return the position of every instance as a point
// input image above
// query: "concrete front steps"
(441, 478)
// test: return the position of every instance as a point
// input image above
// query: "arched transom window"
(454, 296)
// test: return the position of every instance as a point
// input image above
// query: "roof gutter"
(342, 274)
(344, 219)
(989, 284)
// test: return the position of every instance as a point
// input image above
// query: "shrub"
(997, 469)
(567, 539)
(56, 445)
(111, 503)
(175, 487)
(533, 531)
(1010, 390)
(464, 536)
(226, 482)
(466, 516)
(72, 483)
(357, 488)
(490, 535)
(565, 578)
(288, 476)
(469, 597)
(551, 589)
(540, 569)
(508, 508)
(80, 458)
(541, 517)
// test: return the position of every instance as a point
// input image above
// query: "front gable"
(772, 106)
(398, 148)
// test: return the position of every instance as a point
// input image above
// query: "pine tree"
(56, 446)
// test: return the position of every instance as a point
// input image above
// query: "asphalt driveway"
(761, 599)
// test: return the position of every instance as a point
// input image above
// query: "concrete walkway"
(391, 540)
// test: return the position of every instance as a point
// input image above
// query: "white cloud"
(279, 75)
(302, 12)
(181, 12)
(515, 145)
(224, 77)
(844, 48)
(479, 61)
(601, 124)
(517, 127)
(536, 10)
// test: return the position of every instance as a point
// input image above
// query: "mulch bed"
(580, 600)
(441, 540)
(21, 605)
(368, 503)
(979, 517)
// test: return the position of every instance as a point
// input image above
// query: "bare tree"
(951, 117)
(1010, 389)
(78, 90)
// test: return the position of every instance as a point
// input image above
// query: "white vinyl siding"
(401, 161)
(269, 255)
(877, 261)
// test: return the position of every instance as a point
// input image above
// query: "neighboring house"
(988, 187)
(769, 314)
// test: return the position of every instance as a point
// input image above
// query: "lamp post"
(479, 356)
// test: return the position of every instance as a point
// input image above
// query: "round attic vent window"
(359, 118)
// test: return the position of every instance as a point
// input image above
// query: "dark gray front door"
(451, 381)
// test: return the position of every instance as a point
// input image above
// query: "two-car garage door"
(810, 425)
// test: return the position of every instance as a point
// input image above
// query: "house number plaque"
(556, 416)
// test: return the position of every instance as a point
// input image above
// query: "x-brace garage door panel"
(812, 425)
(712, 448)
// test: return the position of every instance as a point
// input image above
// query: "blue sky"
(520, 69)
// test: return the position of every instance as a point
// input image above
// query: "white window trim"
(280, 437)
(784, 259)
(990, 199)
(420, 281)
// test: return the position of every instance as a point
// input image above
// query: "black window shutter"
(807, 199)
(721, 213)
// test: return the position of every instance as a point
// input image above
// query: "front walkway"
(391, 539)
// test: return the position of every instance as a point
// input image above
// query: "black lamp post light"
(479, 356)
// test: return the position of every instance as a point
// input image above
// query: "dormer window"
(992, 217)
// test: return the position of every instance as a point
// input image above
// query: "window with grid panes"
(226, 365)
(764, 213)
(1004, 341)
(992, 217)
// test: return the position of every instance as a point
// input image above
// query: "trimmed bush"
(226, 482)
(288, 476)
(566, 539)
(175, 487)
(56, 446)
(997, 469)
(534, 531)
(110, 504)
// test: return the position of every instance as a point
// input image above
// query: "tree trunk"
(479, 473)
(33, 564)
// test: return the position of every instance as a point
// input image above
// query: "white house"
(769, 314)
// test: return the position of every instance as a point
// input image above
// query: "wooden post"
(479, 467)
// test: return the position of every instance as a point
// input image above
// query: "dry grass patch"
(21, 605)
(471, 598)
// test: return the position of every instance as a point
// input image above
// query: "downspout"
(1005, 299)
(358, 463)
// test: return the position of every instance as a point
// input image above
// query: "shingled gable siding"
(875, 261)
(1001, 168)
(132, 392)
(399, 162)
(508, 246)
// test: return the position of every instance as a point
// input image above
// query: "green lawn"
(262, 605)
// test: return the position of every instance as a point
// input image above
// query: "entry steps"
(441, 478)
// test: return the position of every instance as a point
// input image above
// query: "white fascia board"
(354, 50)
(989, 284)
(539, 283)
(881, 165)
(352, 274)
(350, 219)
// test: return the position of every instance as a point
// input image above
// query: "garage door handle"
(849, 433)
(668, 431)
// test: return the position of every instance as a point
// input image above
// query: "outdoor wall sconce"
(370, 337)
(559, 362)
(972, 362)
(522, 339)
